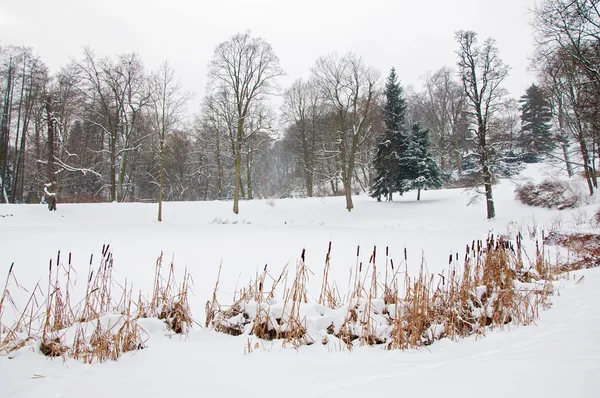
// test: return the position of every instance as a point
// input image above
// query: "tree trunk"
(346, 175)
(121, 180)
(51, 184)
(161, 159)
(238, 166)
(418, 194)
(113, 167)
(487, 174)
(249, 172)
(219, 168)
(348, 190)
(489, 197)
(565, 149)
(16, 176)
(21, 150)
(4, 136)
(586, 161)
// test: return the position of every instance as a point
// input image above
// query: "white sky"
(413, 36)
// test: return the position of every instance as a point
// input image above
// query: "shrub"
(552, 194)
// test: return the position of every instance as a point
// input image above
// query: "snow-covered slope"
(558, 357)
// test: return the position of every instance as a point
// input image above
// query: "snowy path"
(557, 358)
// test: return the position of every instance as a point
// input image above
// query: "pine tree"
(423, 172)
(536, 116)
(388, 155)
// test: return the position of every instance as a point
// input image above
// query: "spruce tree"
(392, 143)
(423, 172)
(536, 116)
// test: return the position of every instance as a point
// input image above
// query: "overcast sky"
(414, 36)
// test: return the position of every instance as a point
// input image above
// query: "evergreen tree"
(388, 155)
(536, 116)
(423, 172)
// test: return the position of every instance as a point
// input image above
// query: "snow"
(559, 356)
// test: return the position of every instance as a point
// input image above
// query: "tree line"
(107, 129)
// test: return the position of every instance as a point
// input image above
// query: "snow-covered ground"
(558, 357)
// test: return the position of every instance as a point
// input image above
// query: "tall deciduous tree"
(482, 73)
(115, 95)
(349, 88)
(392, 145)
(440, 108)
(166, 110)
(246, 68)
(303, 110)
(568, 35)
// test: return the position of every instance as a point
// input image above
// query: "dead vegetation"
(583, 248)
(100, 326)
(489, 288)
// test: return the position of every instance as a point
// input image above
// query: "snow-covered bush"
(550, 193)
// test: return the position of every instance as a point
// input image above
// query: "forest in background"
(103, 128)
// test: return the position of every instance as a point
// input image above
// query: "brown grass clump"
(52, 347)
(59, 323)
(491, 288)
(584, 249)
(169, 300)
(251, 311)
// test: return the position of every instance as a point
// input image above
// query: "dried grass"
(98, 327)
(491, 288)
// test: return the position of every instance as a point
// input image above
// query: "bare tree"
(482, 73)
(349, 87)
(246, 68)
(568, 35)
(115, 94)
(441, 105)
(574, 27)
(166, 110)
(303, 110)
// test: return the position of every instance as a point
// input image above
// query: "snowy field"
(558, 357)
